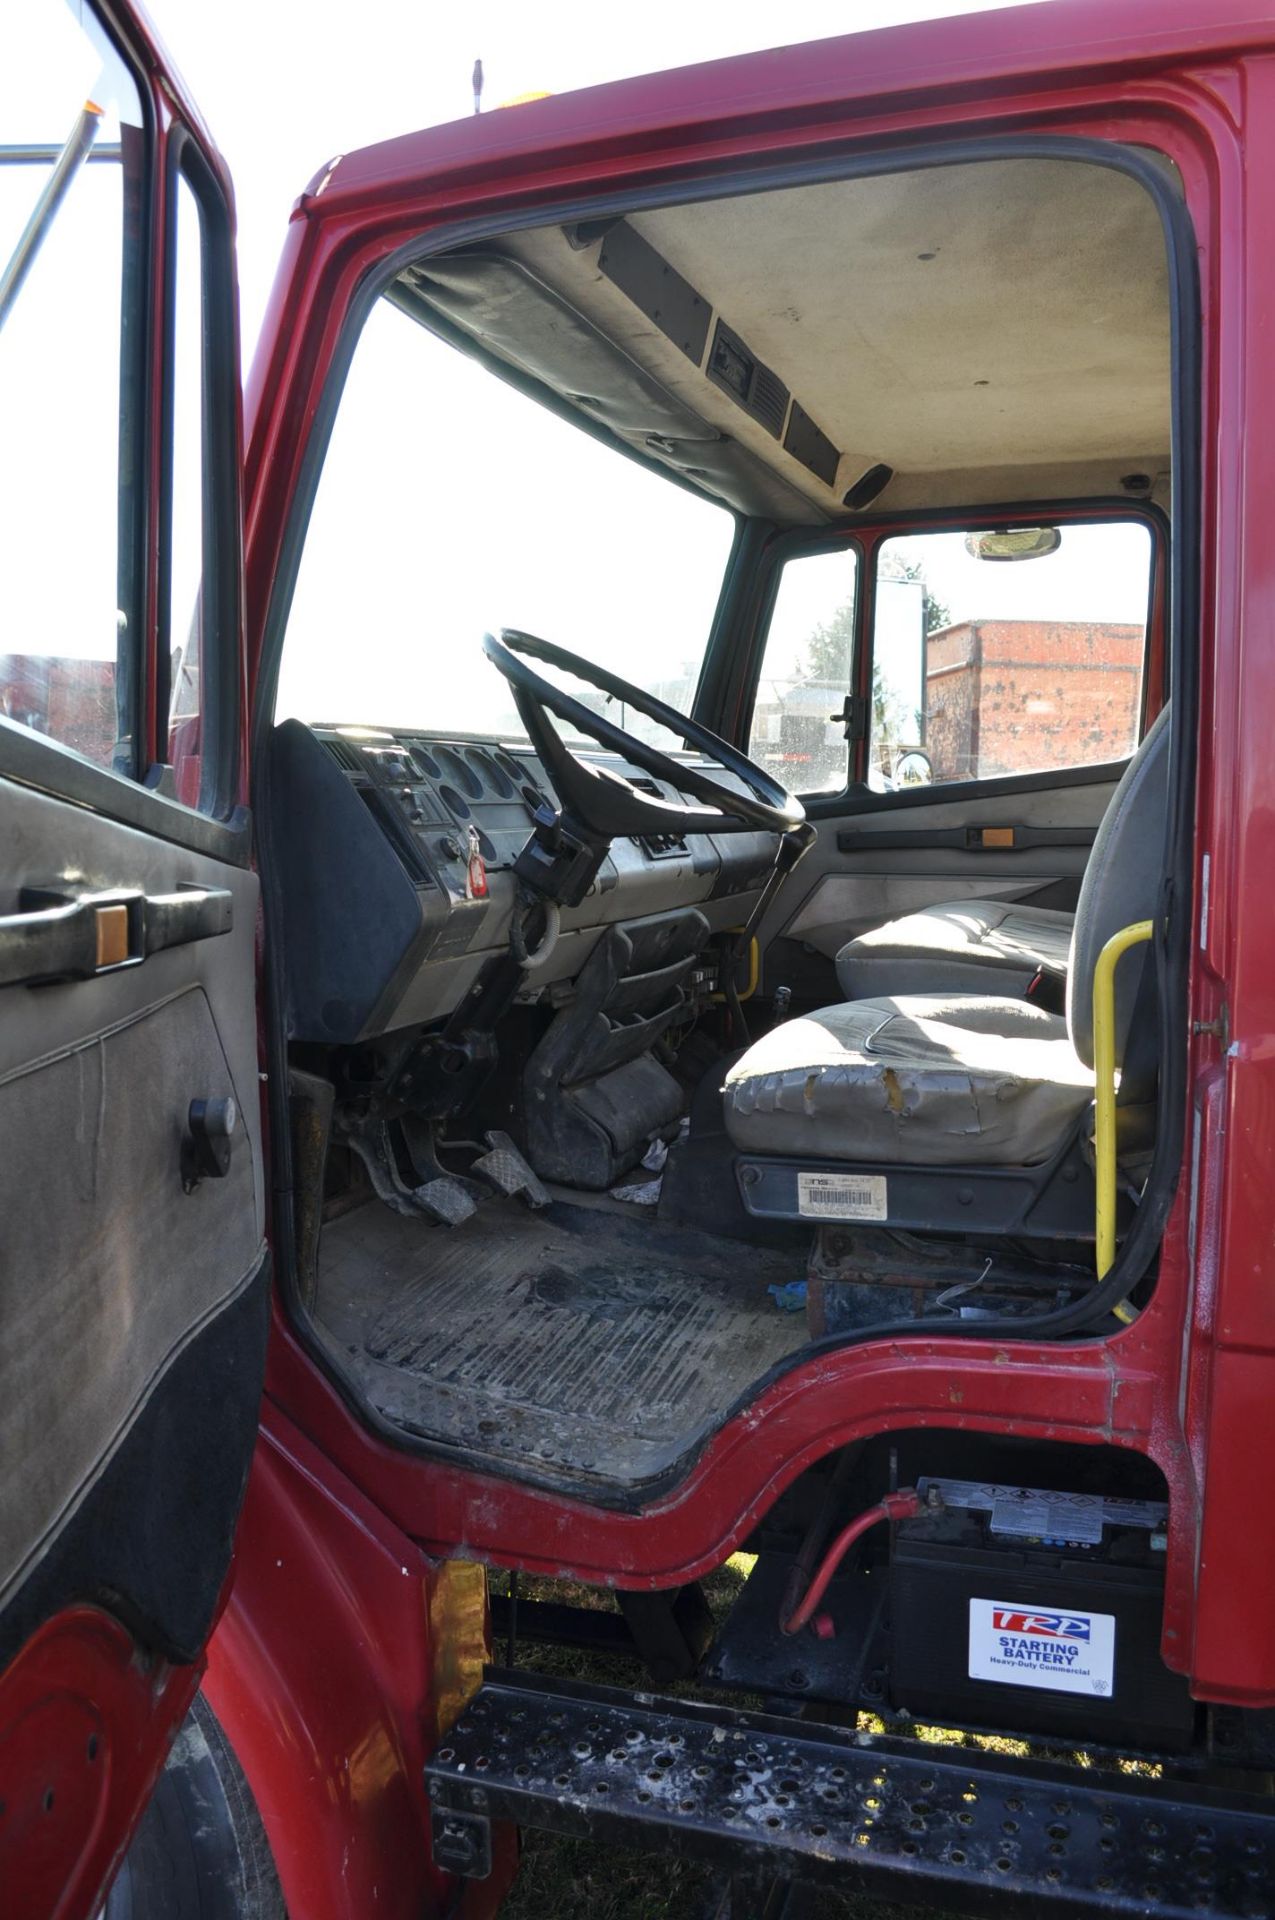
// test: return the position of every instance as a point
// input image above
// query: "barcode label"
(839, 1196)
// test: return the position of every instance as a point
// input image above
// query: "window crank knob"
(210, 1128)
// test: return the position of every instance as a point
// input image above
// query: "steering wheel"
(606, 804)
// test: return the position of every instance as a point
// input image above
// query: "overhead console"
(394, 855)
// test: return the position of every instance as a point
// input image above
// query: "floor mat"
(575, 1341)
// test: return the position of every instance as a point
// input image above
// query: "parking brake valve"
(210, 1127)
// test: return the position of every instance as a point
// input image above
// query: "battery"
(1036, 1611)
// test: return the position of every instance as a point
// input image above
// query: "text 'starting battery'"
(1077, 1518)
(842, 1196)
(1059, 1648)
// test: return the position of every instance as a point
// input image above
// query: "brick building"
(1010, 696)
(73, 700)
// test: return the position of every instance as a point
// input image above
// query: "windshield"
(449, 505)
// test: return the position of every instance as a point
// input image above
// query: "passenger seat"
(970, 946)
(958, 946)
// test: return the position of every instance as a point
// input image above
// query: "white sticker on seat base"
(1057, 1648)
(842, 1196)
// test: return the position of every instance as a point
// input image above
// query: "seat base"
(1053, 1201)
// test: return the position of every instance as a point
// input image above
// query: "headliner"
(994, 331)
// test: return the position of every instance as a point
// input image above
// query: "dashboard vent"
(344, 752)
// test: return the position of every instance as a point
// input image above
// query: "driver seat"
(946, 1080)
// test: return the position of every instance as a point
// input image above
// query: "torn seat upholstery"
(947, 1079)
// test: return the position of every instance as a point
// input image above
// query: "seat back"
(1122, 884)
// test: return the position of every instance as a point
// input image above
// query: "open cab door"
(133, 1272)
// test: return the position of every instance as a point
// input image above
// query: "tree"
(830, 649)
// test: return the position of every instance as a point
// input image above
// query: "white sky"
(284, 86)
(283, 89)
(410, 65)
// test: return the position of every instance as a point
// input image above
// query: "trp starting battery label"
(1060, 1649)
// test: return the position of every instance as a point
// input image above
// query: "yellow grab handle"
(1104, 1061)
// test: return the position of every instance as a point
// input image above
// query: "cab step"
(803, 1801)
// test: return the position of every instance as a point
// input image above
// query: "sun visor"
(514, 318)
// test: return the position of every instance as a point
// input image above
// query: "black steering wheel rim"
(606, 803)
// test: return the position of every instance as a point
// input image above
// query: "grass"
(569, 1879)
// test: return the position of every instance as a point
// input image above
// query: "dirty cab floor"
(572, 1343)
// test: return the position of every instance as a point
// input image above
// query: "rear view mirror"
(1013, 543)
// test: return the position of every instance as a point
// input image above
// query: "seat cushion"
(923, 1080)
(958, 946)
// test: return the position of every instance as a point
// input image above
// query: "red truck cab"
(632, 929)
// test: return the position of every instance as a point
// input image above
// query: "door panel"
(108, 1268)
(133, 1310)
(845, 884)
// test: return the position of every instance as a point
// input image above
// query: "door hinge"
(1221, 1027)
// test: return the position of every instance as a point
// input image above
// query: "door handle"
(56, 936)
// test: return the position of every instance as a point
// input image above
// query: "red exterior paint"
(84, 1726)
(341, 1657)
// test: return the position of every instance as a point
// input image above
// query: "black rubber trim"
(221, 596)
(862, 799)
(32, 760)
(151, 1541)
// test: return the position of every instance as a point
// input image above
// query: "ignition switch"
(210, 1127)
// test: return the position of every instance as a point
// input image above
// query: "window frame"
(870, 537)
(141, 795)
(221, 692)
(797, 544)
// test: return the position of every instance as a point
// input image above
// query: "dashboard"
(387, 925)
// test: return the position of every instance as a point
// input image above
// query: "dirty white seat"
(957, 946)
(963, 1079)
(947, 1079)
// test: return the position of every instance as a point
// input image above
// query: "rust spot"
(893, 1091)
(956, 1395)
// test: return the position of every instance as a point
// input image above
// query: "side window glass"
(1008, 650)
(807, 673)
(72, 156)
